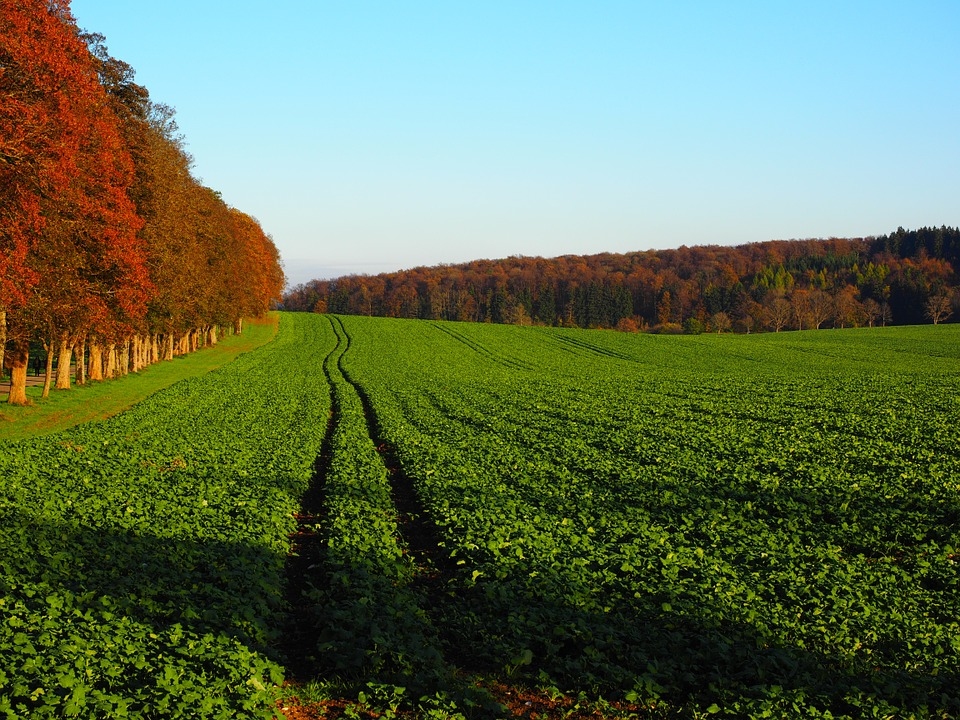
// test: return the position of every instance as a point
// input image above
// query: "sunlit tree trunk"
(136, 351)
(143, 351)
(17, 359)
(110, 358)
(212, 335)
(81, 360)
(168, 346)
(64, 356)
(3, 336)
(123, 358)
(48, 370)
(238, 326)
(95, 364)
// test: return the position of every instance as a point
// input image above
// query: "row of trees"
(904, 277)
(110, 250)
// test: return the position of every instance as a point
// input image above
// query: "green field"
(637, 525)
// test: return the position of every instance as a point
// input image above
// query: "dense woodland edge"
(113, 255)
(906, 277)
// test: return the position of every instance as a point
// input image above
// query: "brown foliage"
(772, 285)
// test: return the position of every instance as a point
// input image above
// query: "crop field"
(142, 559)
(450, 519)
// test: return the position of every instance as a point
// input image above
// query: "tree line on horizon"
(906, 277)
(112, 254)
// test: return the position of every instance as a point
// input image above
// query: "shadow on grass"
(682, 642)
(109, 622)
(674, 644)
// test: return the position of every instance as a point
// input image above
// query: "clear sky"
(375, 136)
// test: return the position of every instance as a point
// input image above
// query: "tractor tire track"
(480, 349)
(415, 525)
(587, 348)
(299, 641)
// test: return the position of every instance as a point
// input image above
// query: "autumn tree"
(720, 322)
(40, 67)
(886, 314)
(664, 308)
(107, 242)
(871, 310)
(939, 307)
(257, 276)
(81, 256)
(847, 310)
(819, 307)
(778, 314)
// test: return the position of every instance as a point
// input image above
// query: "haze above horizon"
(371, 136)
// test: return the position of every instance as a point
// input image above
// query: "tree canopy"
(773, 285)
(107, 241)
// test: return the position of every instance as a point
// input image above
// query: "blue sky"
(375, 136)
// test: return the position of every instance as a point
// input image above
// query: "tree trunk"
(3, 337)
(17, 359)
(133, 359)
(238, 326)
(48, 371)
(110, 371)
(123, 358)
(81, 360)
(64, 356)
(95, 366)
(168, 346)
(212, 335)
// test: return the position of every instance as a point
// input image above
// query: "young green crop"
(367, 619)
(749, 524)
(143, 556)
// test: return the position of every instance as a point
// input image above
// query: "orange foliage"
(103, 231)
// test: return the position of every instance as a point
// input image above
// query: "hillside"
(906, 277)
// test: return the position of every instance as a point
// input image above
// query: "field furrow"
(368, 591)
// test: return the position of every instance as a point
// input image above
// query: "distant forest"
(906, 277)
